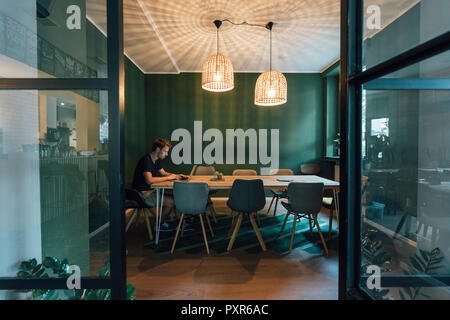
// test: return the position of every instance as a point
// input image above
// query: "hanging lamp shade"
(217, 74)
(271, 89)
(271, 86)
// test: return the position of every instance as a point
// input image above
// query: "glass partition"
(406, 178)
(394, 26)
(53, 39)
(54, 163)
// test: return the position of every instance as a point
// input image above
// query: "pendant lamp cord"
(217, 56)
(270, 69)
(270, 49)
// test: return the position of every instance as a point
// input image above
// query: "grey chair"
(191, 198)
(244, 172)
(277, 195)
(246, 197)
(207, 171)
(305, 201)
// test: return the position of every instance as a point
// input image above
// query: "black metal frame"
(115, 85)
(351, 82)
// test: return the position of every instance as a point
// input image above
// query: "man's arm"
(166, 174)
(150, 179)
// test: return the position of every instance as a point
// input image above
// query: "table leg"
(159, 206)
(157, 217)
(336, 202)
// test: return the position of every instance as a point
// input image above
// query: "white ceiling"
(178, 35)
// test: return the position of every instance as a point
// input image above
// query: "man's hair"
(160, 143)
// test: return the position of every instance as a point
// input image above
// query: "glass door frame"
(115, 85)
(352, 80)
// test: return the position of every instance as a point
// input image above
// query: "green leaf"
(23, 274)
(425, 255)
(431, 269)
(437, 260)
(39, 273)
(48, 262)
(130, 290)
(408, 291)
(39, 293)
(36, 268)
(411, 269)
(416, 264)
(401, 294)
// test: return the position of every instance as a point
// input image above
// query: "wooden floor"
(237, 275)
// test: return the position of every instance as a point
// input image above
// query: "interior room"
(224, 150)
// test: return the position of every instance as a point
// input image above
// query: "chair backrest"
(134, 195)
(310, 168)
(281, 172)
(247, 195)
(244, 172)
(204, 171)
(305, 197)
(190, 197)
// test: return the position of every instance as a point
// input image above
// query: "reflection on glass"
(54, 165)
(52, 39)
(406, 183)
(394, 26)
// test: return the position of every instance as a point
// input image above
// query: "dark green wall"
(175, 101)
(135, 117)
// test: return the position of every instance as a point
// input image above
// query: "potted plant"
(337, 141)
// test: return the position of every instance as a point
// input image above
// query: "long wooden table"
(270, 182)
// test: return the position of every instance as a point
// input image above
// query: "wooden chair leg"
(275, 210)
(310, 227)
(330, 223)
(209, 224)
(236, 229)
(204, 234)
(293, 232)
(284, 223)
(258, 234)
(257, 218)
(182, 227)
(176, 234)
(233, 225)
(270, 206)
(147, 222)
(321, 235)
(130, 221)
(214, 213)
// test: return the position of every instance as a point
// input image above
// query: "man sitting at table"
(149, 171)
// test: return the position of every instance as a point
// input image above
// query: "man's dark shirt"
(145, 164)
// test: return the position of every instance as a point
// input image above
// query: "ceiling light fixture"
(271, 86)
(217, 70)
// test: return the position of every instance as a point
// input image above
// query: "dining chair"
(310, 168)
(204, 171)
(304, 201)
(134, 200)
(277, 195)
(244, 172)
(191, 198)
(207, 171)
(246, 197)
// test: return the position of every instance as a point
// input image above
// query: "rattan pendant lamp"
(217, 70)
(271, 86)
